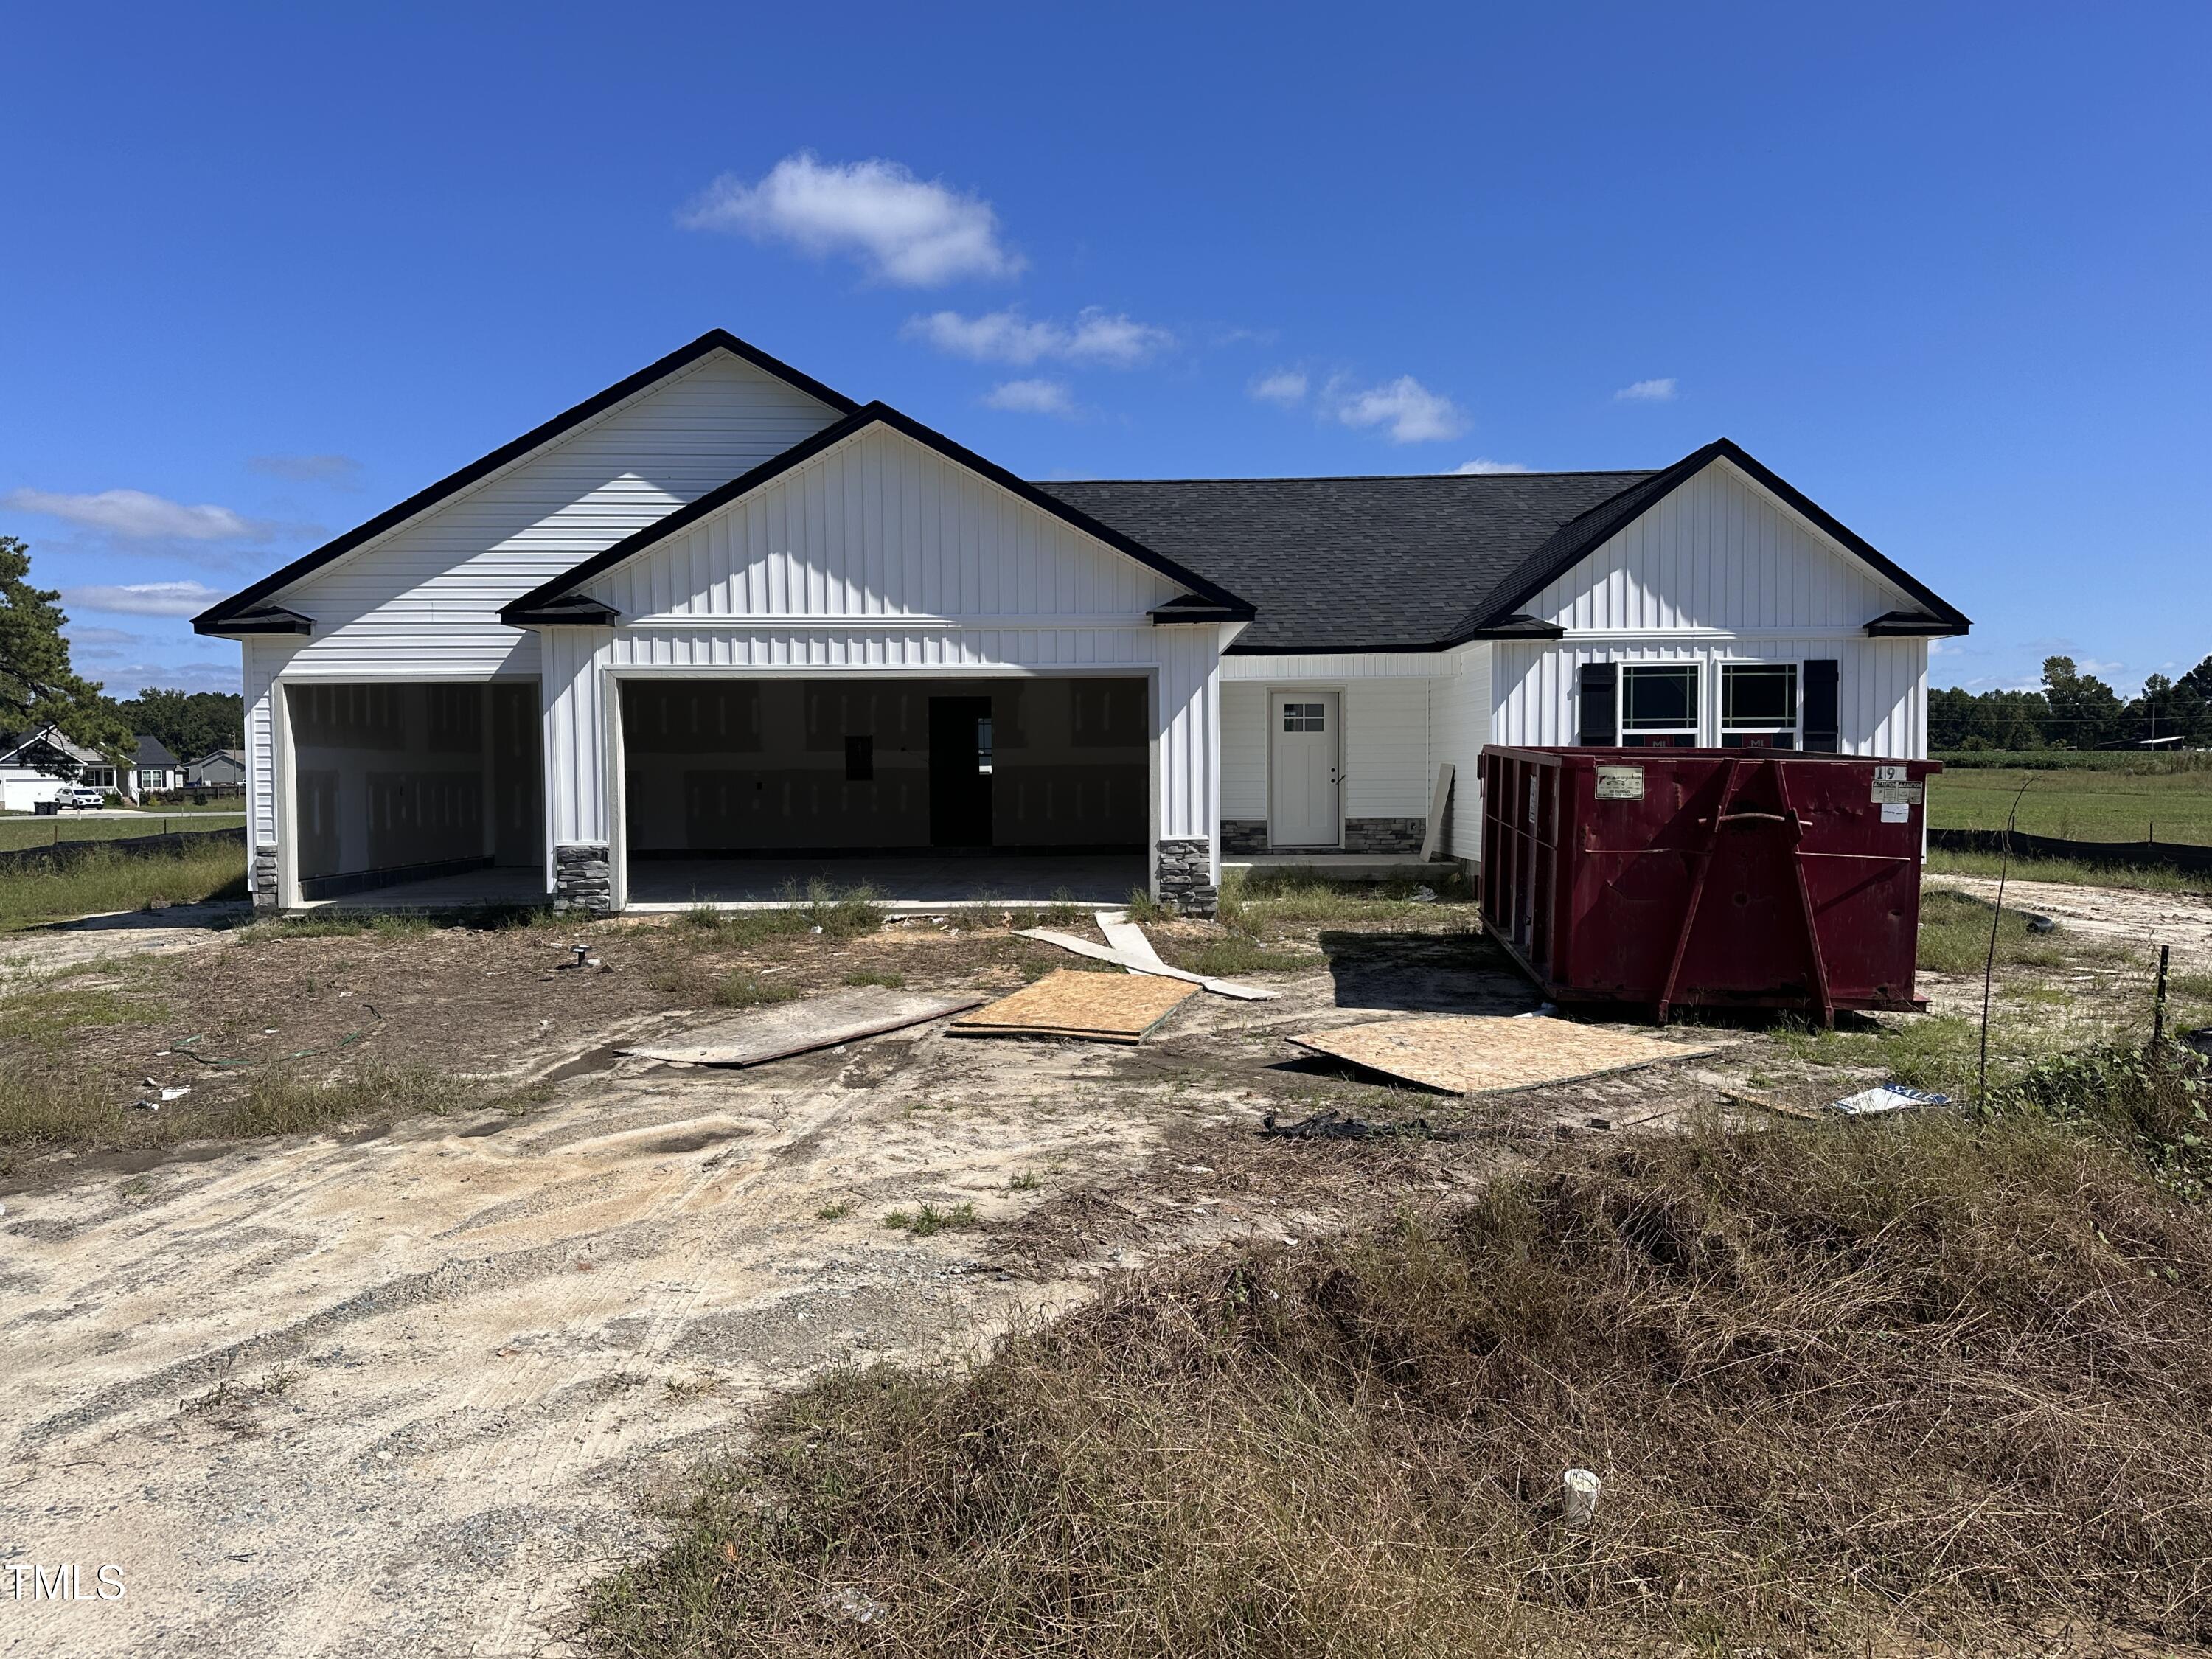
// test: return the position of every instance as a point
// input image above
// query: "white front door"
(1302, 769)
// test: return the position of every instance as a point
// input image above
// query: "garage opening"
(746, 791)
(401, 784)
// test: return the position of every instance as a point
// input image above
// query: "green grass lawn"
(2077, 805)
(17, 831)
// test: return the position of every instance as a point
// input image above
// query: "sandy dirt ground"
(171, 932)
(2124, 915)
(409, 1389)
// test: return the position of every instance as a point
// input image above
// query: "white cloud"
(135, 513)
(914, 232)
(1481, 467)
(1412, 413)
(103, 641)
(342, 472)
(1286, 386)
(125, 679)
(1647, 391)
(144, 598)
(1096, 335)
(1032, 397)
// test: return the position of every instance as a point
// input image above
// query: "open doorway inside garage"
(397, 785)
(938, 791)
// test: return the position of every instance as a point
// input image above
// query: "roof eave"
(1914, 625)
(260, 619)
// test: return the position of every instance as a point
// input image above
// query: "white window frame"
(1723, 731)
(1622, 732)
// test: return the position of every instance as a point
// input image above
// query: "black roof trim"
(262, 619)
(571, 610)
(1577, 538)
(1519, 626)
(872, 414)
(1913, 625)
(219, 618)
(1190, 608)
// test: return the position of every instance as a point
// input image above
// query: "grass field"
(2078, 804)
(17, 831)
(104, 880)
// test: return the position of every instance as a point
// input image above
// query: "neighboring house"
(720, 616)
(154, 768)
(218, 768)
(39, 765)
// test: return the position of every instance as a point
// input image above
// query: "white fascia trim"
(878, 622)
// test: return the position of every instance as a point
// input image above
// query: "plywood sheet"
(796, 1027)
(1482, 1055)
(1101, 1007)
(1146, 964)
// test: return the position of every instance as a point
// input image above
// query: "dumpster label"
(1889, 774)
(1896, 812)
(1900, 793)
(1621, 783)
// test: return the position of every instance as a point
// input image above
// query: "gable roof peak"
(225, 615)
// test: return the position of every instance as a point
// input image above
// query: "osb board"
(1482, 1054)
(1067, 1002)
(797, 1028)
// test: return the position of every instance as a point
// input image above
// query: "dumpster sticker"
(1900, 793)
(1896, 812)
(1621, 783)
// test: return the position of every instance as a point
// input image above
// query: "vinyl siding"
(879, 555)
(1459, 725)
(1719, 553)
(1388, 762)
(1882, 685)
(423, 600)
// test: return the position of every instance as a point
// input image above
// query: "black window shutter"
(1598, 714)
(1822, 720)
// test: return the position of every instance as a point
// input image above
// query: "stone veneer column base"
(1186, 880)
(1244, 836)
(582, 878)
(264, 878)
(1384, 835)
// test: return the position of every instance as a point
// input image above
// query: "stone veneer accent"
(264, 878)
(582, 878)
(1384, 835)
(1185, 877)
(1243, 835)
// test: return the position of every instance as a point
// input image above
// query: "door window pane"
(1303, 717)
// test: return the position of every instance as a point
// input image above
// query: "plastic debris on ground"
(1887, 1097)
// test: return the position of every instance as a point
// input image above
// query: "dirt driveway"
(405, 1391)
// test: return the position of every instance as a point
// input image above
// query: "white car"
(81, 795)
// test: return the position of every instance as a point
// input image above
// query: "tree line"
(2073, 710)
(38, 686)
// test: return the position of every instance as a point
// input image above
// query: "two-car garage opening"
(939, 790)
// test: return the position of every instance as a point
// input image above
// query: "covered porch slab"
(898, 882)
(1339, 867)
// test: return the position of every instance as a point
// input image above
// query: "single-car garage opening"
(744, 790)
(403, 784)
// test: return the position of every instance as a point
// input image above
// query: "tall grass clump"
(1850, 1388)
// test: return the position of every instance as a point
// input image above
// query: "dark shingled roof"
(1352, 564)
(152, 751)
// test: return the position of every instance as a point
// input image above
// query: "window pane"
(1758, 694)
(1655, 698)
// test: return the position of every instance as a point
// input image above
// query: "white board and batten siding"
(422, 602)
(1718, 571)
(879, 555)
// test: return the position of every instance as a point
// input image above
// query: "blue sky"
(272, 269)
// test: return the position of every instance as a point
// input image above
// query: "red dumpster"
(1706, 878)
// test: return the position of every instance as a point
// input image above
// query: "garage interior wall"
(397, 776)
(787, 765)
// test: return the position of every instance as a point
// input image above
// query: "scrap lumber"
(1069, 1003)
(1486, 1054)
(1431, 836)
(1084, 947)
(797, 1028)
(1125, 936)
